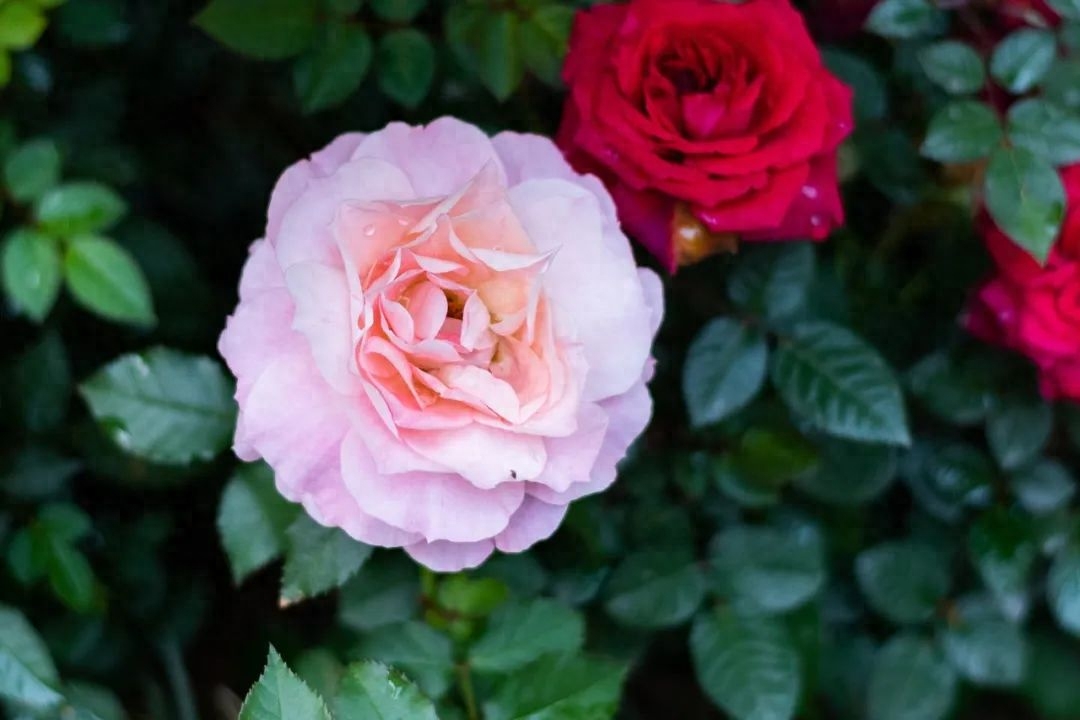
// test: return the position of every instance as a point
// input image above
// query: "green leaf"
(910, 681)
(318, 559)
(522, 573)
(559, 688)
(105, 279)
(1068, 9)
(850, 473)
(406, 66)
(385, 591)
(37, 473)
(41, 387)
(946, 478)
(1023, 58)
(1018, 430)
(725, 369)
(1063, 588)
(471, 597)
(280, 695)
(48, 549)
(903, 19)
(398, 11)
(372, 691)
(31, 270)
(953, 65)
(747, 666)
(93, 702)
(78, 208)
(654, 589)
(772, 280)
(985, 649)
(773, 458)
(1045, 129)
(959, 390)
(1051, 687)
(1044, 486)
(501, 66)
(1062, 83)
(520, 632)
(903, 580)
(543, 39)
(94, 23)
(871, 93)
(27, 673)
(962, 131)
(1003, 550)
(741, 487)
(424, 653)
(1026, 199)
(21, 24)
(836, 382)
(163, 405)
(264, 29)
(321, 670)
(769, 570)
(252, 519)
(32, 168)
(330, 72)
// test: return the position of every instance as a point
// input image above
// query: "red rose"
(1036, 310)
(707, 120)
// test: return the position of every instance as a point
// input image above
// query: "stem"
(179, 683)
(465, 685)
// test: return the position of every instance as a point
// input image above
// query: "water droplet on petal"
(809, 191)
(402, 222)
(369, 231)
(816, 220)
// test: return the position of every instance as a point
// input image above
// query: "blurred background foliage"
(844, 508)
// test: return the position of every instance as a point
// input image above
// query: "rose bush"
(688, 108)
(442, 340)
(850, 499)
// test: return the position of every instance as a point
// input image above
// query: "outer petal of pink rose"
(295, 179)
(654, 297)
(261, 271)
(329, 503)
(485, 456)
(629, 414)
(535, 157)
(306, 231)
(321, 296)
(534, 521)
(293, 419)
(255, 335)
(438, 158)
(571, 459)
(442, 556)
(592, 282)
(437, 506)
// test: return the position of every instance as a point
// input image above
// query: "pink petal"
(442, 556)
(437, 506)
(534, 521)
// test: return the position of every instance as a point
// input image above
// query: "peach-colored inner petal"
(451, 324)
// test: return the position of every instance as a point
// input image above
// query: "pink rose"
(442, 340)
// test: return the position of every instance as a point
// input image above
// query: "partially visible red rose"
(716, 112)
(1036, 310)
